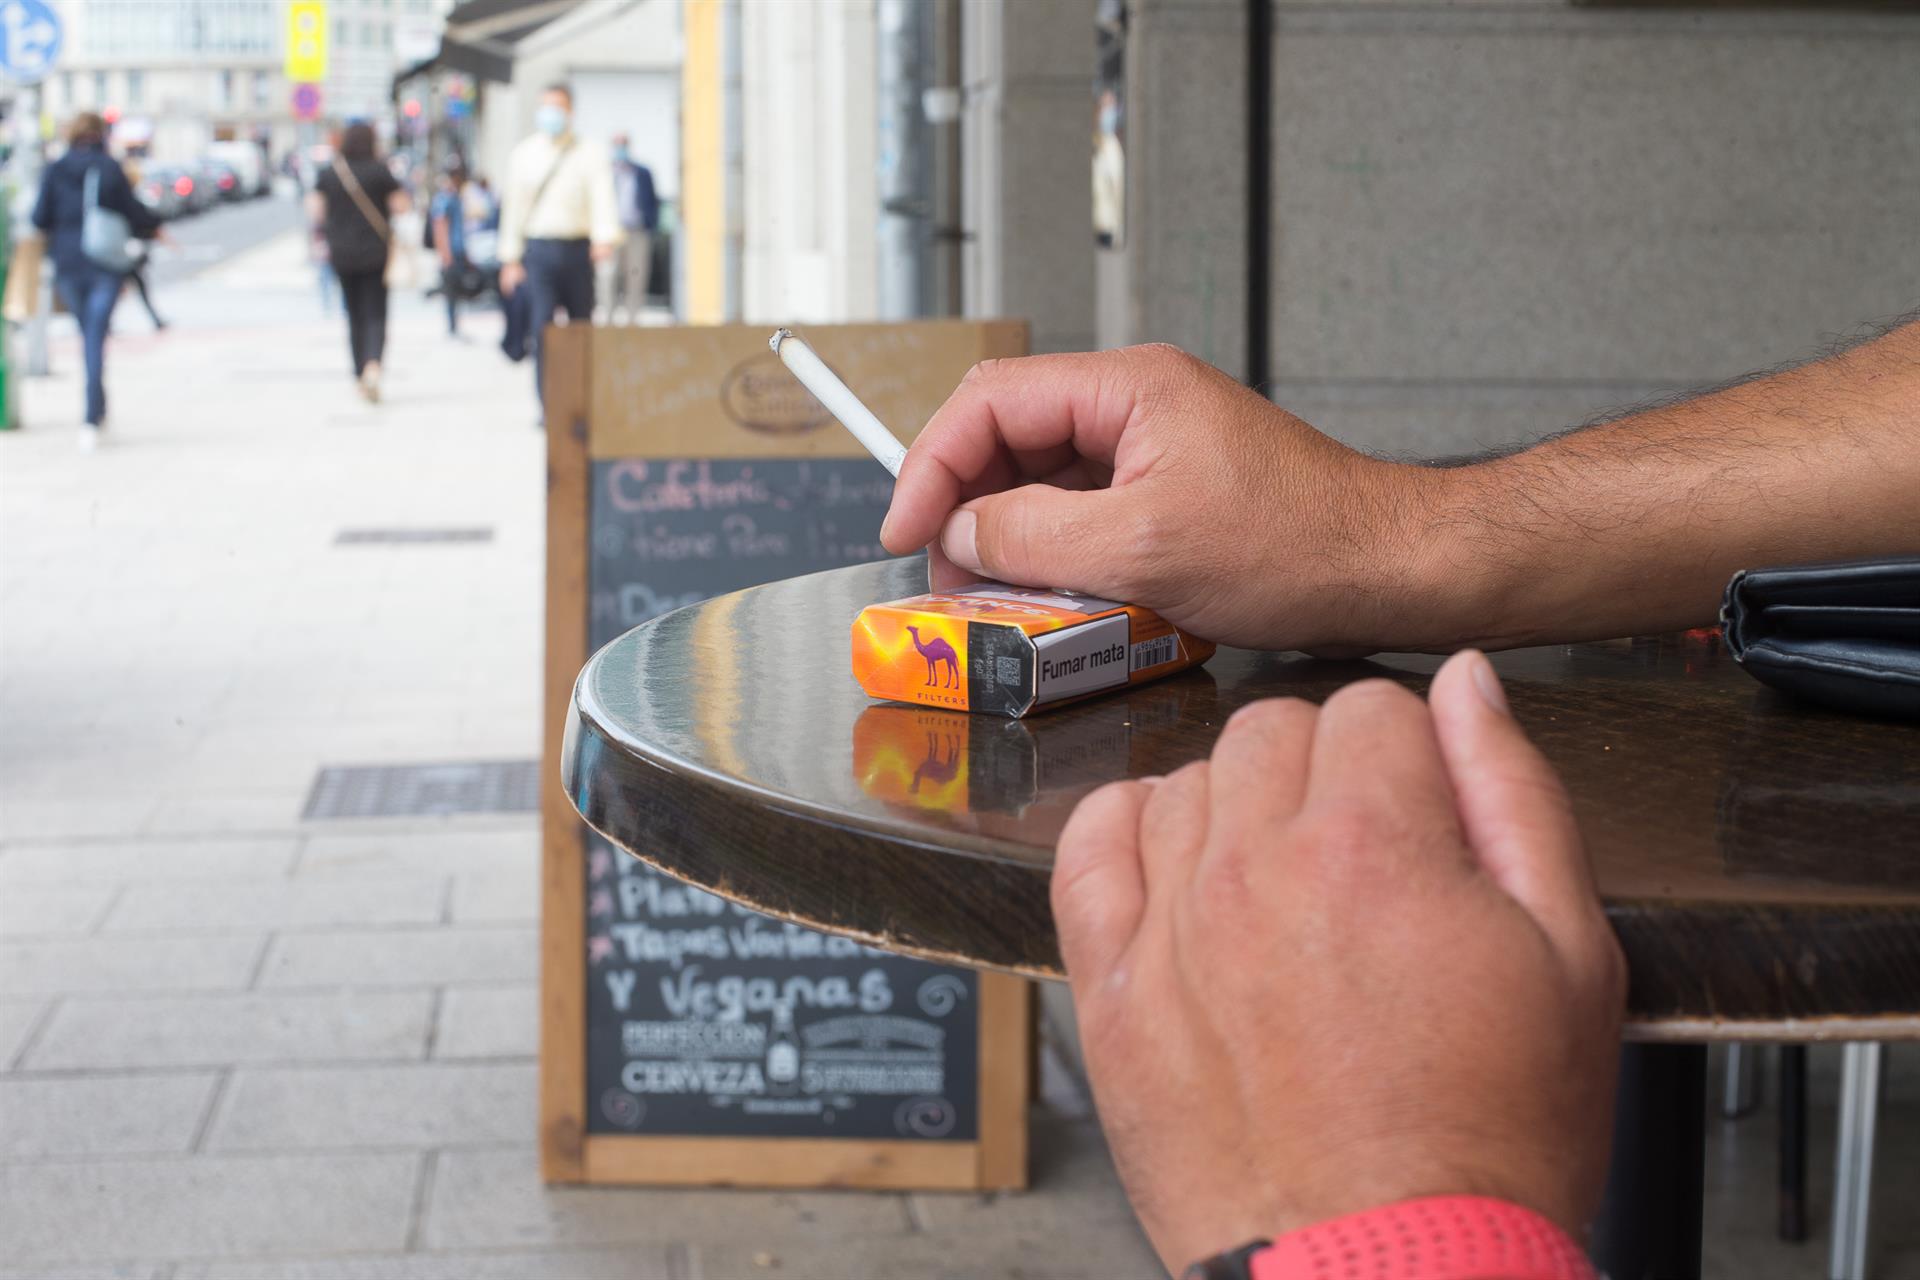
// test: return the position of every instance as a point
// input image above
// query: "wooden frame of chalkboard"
(704, 393)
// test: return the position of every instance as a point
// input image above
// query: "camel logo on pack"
(762, 396)
(940, 658)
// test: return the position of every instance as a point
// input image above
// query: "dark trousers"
(90, 294)
(365, 296)
(559, 274)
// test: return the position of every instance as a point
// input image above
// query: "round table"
(1760, 860)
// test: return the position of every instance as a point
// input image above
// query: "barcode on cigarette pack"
(1151, 653)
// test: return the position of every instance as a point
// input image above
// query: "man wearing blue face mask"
(558, 219)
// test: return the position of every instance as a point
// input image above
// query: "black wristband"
(1230, 1265)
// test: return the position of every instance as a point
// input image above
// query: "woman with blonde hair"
(90, 261)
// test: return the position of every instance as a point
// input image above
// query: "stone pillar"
(1026, 143)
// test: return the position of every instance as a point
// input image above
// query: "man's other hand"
(1149, 476)
(1355, 958)
(511, 275)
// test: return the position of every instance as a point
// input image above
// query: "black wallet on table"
(1843, 635)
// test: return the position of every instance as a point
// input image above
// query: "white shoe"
(89, 437)
(370, 382)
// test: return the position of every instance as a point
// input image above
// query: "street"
(221, 232)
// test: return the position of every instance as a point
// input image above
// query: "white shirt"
(577, 203)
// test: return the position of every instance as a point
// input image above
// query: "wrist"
(1423, 561)
(1463, 572)
(1453, 1237)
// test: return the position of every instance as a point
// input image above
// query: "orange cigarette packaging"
(1010, 651)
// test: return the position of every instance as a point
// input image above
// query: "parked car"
(226, 180)
(249, 167)
(164, 189)
(178, 182)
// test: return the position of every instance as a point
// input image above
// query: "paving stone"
(102, 1115)
(1071, 1251)
(107, 964)
(496, 1198)
(628, 1263)
(488, 1022)
(84, 1210)
(415, 853)
(1072, 1181)
(17, 1018)
(497, 897)
(32, 912)
(90, 1271)
(279, 905)
(440, 956)
(216, 1030)
(171, 859)
(423, 1105)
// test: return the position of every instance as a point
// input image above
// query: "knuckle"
(984, 370)
(1373, 698)
(1269, 717)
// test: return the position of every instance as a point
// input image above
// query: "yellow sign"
(307, 41)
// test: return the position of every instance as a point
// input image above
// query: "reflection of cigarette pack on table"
(1012, 650)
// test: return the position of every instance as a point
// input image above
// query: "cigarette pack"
(1009, 651)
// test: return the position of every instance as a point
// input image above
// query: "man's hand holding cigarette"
(1146, 475)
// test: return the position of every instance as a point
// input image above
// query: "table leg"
(1853, 1160)
(1649, 1224)
(1740, 1091)
(1792, 1226)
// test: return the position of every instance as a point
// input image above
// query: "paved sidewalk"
(235, 1044)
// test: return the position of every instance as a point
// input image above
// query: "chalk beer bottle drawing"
(783, 1051)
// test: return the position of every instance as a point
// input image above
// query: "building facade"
(179, 74)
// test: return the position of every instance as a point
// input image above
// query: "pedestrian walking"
(639, 206)
(447, 236)
(85, 206)
(557, 220)
(356, 197)
(87, 211)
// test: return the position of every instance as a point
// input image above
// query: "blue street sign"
(29, 40)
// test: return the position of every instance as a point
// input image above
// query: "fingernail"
(886, 523)
(957, 540)
(1488, 684)
(1154, 779)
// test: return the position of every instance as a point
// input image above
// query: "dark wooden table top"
(1760, 859)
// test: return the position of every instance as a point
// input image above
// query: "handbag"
(103, 233)
(1846, 636)
(399, 269)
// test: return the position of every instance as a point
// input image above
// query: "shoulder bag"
(103, 233)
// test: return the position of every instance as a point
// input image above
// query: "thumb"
(1040, 536)
(1513, 809)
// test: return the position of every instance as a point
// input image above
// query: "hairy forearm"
(1634, 526)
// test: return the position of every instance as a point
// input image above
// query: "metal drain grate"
(347, 536)
(423, 790)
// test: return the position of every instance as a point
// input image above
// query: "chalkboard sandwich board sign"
(686, 1039)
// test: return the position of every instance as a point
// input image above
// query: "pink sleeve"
(1438, 1238)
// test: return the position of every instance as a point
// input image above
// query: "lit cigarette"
(840, 402)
